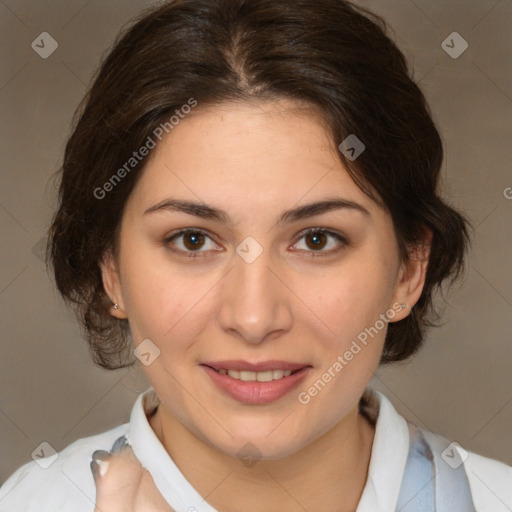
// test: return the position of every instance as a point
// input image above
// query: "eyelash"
(313, 254)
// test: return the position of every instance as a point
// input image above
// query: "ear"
(411, 278)
(112, 284)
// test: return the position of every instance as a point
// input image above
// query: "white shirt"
(67, 485)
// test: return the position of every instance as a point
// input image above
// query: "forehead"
(238, 155)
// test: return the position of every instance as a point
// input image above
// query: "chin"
(256, 448)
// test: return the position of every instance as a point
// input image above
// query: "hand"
(122, 484)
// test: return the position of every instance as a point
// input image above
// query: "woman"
(249, 198)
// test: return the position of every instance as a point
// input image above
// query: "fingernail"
(101, 454)
(99, 463)
(99, 467)
(95, 469)
(119, 445)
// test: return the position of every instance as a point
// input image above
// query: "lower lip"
(254, 392)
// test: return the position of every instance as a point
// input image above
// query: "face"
(238, 279)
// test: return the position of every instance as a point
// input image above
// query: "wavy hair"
(331, 54)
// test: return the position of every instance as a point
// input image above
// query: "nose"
(255, 304)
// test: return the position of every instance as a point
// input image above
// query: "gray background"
(459, 385)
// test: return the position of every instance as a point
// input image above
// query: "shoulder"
(490, 480)
(62, 483)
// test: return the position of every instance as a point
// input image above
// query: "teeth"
(249, 376)
(264, 376)
(277, 374)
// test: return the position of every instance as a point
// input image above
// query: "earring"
(404, 306)
(116, 306)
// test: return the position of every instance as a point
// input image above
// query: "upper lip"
(254, 367)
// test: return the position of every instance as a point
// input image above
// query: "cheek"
(349, 298)
(163, 304)
(349, 302)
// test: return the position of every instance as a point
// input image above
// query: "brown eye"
(190, 242)
(193, 240)
(317, 239)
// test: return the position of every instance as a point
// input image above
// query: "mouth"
(264, 371)
(256, 383)
(252, 376)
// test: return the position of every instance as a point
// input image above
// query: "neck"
(332, 469)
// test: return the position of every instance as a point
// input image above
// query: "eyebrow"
(208, 212)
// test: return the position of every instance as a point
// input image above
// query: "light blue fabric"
(417, 491)
(429, 483)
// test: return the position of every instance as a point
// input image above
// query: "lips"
(262, 390)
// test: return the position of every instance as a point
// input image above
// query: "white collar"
(389, 456)
(380, 494)
(169, 480)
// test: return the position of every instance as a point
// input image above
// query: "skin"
(126, 486)
(254, 161)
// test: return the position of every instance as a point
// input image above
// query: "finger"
(117, 477)
(123, 485)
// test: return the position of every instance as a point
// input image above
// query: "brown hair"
(329, 53)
